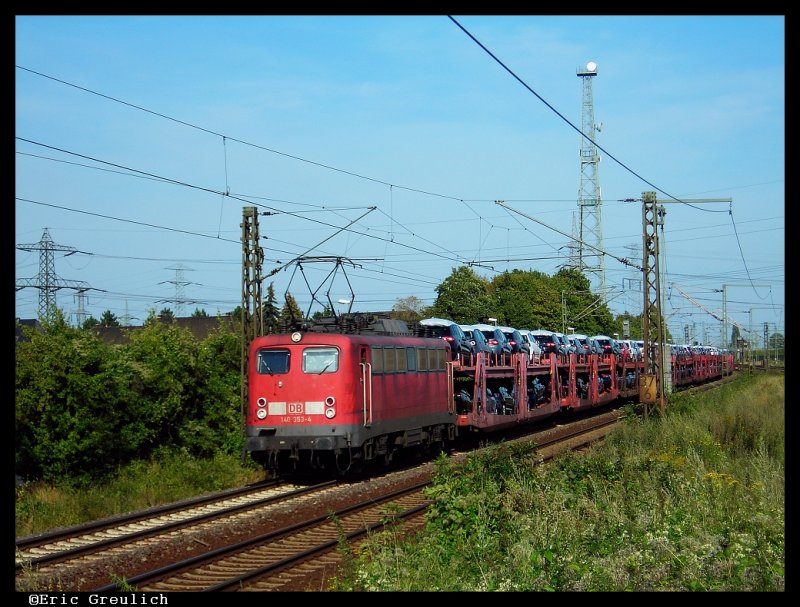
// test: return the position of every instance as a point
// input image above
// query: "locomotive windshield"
(320, 360)
(272, 362)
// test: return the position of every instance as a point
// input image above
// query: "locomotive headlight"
(261, 413)
(330, 401)
(261, 402)
(330, 412)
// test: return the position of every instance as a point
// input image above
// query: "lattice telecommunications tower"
(590, 228)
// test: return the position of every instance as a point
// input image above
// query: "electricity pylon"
(47, 281)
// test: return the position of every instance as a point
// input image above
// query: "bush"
(84, 408)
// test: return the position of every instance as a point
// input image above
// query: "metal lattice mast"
(180, 291)
(589, 196)
(126, 318)
(574, 246)
(252, 261)
(251, 318)
(654, 334)
(725, 320)
(47, 281)
(80, 314)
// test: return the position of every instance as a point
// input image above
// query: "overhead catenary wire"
(224, 138)
(217, 192)
(565, 119)
(622, 260)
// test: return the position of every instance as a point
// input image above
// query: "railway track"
(97, 540)
(299, 542)
(269, 561)
(308, 552)
(289, 552)
(67, 543)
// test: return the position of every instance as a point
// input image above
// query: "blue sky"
(132, 129)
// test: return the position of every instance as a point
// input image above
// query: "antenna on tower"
(590, 225)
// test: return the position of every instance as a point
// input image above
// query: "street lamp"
(493, 321)
(571, 330)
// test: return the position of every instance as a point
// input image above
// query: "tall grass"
(692, 501)
(167, 477)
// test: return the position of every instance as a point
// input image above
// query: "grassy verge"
(693, 501)
(169, 477)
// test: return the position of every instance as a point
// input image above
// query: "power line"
(279, 211)
(297, 214)
(560, 115)
(112, 218)
(241, 141)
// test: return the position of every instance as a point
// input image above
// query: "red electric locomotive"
(336, 401)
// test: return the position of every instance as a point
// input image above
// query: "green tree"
(166, 315)
(526, 299)
(84, 407)
(464, 297)
(776, 341)
(109, 319)
(71, 404)
(409, 309)
(90, 323)
(271, 311)
(212, 417)
(634, 324)
(162, 361)
(291, 316)
(198, 313)
(735, 335)
(236, 313)
(585, 310)
(636, 327)
(323, 313)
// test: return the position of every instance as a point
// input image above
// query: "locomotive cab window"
(272, 362)
(320, 360)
